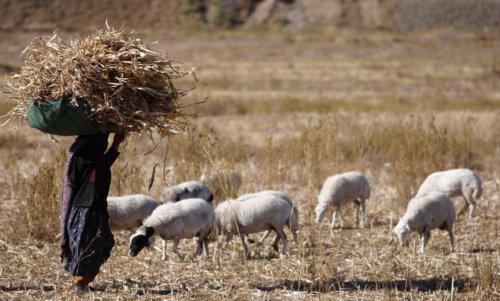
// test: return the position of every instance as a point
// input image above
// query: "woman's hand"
(118, 138)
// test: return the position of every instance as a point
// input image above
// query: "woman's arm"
(112, 154)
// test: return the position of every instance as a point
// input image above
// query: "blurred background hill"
(403, 15)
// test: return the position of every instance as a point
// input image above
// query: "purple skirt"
(90, 240)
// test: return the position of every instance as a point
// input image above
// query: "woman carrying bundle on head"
(86, 237)
(109, 81)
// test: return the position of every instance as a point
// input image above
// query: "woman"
(86, 238)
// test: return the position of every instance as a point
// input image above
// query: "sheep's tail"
(293, 222)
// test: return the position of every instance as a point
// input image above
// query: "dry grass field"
(286, 110)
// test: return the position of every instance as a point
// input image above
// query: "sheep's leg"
(245, 247)
(472, 210)
(176, 248)
(452, 238)
(263, 237)
(163, 250)
(229, 237)
(363, 212)
(336, 215)
(470, 201)
(205, 247)
(282, 236)
(356, 212)
(198, 248)
(464, 208)
(275, 242)
(425, 238)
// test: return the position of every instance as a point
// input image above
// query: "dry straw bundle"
(123, 80)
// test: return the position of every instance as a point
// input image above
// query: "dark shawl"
(86, 180)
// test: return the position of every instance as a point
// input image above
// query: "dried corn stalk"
(123, 80)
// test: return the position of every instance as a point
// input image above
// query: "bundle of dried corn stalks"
(123, 80)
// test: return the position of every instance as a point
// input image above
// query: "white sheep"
(455, 182)
(293, 228)
(264, 212)
(186, 190)
(128, 212)
(340, 189)
(174, 221)
(223, 184)
(425, 213)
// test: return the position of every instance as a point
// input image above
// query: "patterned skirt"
(90, 241)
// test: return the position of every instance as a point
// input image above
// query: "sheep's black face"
(139, 241)
(211, 198)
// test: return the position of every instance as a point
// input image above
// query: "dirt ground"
(286, 110)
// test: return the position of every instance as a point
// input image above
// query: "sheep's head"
(142, 238)
(403, 232)
(320, 212)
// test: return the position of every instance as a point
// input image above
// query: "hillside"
(41, 15)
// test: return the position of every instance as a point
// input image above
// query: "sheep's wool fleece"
(431, 210)
(343, 187)
(185, 218)
(186, 190)
(126, 211)
(253, 215)
(450, 182)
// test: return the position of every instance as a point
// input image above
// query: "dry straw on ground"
(123, 80)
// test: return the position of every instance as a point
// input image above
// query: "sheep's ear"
(407, 227)
(150, 231)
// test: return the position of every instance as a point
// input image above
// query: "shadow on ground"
(135, 287)
(482, 250)
(333, 285)
(19, 288)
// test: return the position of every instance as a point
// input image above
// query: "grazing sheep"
(455, 182)
(128, 212)
(223, 185)
(186, 190)
(339, 189)
(293, 228)
(174, 221)
(263, 212)
(424, 213)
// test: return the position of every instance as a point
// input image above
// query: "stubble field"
(286, 110)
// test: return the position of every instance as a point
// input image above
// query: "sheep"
(425, 213)
(128, 212)
(174, 221)
(453, 183)
(222, 184)
(339, 189)
(293, 228)
(263, 212)
(186, 190)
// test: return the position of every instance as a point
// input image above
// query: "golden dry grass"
(286, 111)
